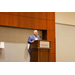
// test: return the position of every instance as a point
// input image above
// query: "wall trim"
(65, 24)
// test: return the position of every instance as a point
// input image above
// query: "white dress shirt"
(36, 38)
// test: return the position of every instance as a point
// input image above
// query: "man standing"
(32, 38)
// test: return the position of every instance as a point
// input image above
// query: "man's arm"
(29, 40)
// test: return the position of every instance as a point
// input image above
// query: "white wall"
(65, 36)
(65, 17)
(65, 43)
(15, 52)
(15, 40)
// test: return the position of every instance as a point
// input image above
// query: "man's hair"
(35, 31)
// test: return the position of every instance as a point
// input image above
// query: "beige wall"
(65, 17)
(16, 35)
(65, 36)
(15, 41)
(65, 43)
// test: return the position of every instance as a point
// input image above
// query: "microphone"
(31, 39)
(40, 36)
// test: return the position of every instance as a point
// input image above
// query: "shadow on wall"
(15, 52)
(2, 54)
(26, 53)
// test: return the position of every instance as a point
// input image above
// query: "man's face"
(35, 33)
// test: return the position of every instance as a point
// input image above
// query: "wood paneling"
(20, 19)
(51, 16)
(55, 48)
(23, 14)
(51, 35)
(52, 47)
(40, 15)
(23, 22)
(6, 13)
(1, 18)
(13, 21)
(42, 24)
(17, 13)
(50, 25)
(1, 12)
(52, 57)
(12, 13)
(6, 19)
(33, 14)
(32, 23)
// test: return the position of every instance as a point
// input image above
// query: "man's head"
(35, 32)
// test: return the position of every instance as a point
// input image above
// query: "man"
(32, 38)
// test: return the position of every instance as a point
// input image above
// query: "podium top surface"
(42, 40)
(41, 44)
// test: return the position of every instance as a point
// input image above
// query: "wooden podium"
(40, 51)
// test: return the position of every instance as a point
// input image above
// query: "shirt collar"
(35, 36)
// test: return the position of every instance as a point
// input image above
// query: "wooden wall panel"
(13, 21)
(1, 19)
(32, 23)
(35, 20)
(12, 13)
(50, 25)
(51, 16)
(23, 22)
(38, 24)
(1, 12)
(6, 19)
(51, 35)
(55, 49)
(42, 24)
(33, 14)
(52, 57)
(26, 22)
(52, 47)
(23, 14)
(40, 15)
(6, 12)
(17, 13)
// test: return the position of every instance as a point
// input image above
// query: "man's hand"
(32, 41)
